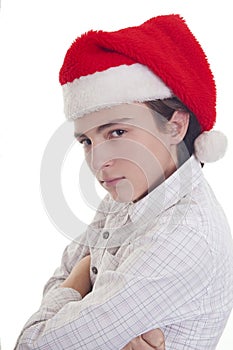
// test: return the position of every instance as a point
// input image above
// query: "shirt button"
(106, 235)
(94, 270)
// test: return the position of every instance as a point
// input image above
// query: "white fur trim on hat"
(116, 85)
(210, 146)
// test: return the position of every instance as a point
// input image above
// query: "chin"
(126, 197)
(121, 197)
(125, 192)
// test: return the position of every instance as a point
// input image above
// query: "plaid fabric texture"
(165, 261)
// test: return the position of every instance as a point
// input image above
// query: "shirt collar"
(167, 194)
(127, 221)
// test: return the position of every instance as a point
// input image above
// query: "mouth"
(111, 182)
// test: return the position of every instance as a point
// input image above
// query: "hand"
(79, 278)
(153, 339)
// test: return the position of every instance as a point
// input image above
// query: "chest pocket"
(109, 262)
(106, 276)
(101, 263)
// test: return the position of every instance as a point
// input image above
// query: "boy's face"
(128, 154)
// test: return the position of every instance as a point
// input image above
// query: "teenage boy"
(158, 254)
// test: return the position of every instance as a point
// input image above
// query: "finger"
(143, 345)
(155, 338)
(162, 347)
(138, 343)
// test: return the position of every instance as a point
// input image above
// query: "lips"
(111, 182)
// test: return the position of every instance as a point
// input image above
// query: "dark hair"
(166, 109)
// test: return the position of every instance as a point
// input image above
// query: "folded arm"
(154, 286)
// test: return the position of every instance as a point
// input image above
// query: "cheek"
(152, 156)
(138, 174)
(149, 164)
(160, 149)
(147, 158)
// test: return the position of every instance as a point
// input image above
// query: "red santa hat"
(158, 59)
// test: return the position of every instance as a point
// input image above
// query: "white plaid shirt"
(163, 262)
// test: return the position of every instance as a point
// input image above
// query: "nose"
(100, 156)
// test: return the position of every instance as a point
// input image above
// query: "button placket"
(102, 243)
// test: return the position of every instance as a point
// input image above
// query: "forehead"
(136, 114)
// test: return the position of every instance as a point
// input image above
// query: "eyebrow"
(104, 126)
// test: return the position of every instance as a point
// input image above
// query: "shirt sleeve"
(158, 282)
(54, 298)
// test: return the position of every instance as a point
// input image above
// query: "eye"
(85, 142)
(118, 132)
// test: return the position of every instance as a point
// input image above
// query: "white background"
(34, 38)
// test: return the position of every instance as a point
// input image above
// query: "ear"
(178, 126)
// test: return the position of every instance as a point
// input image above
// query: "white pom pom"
(210, 146)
